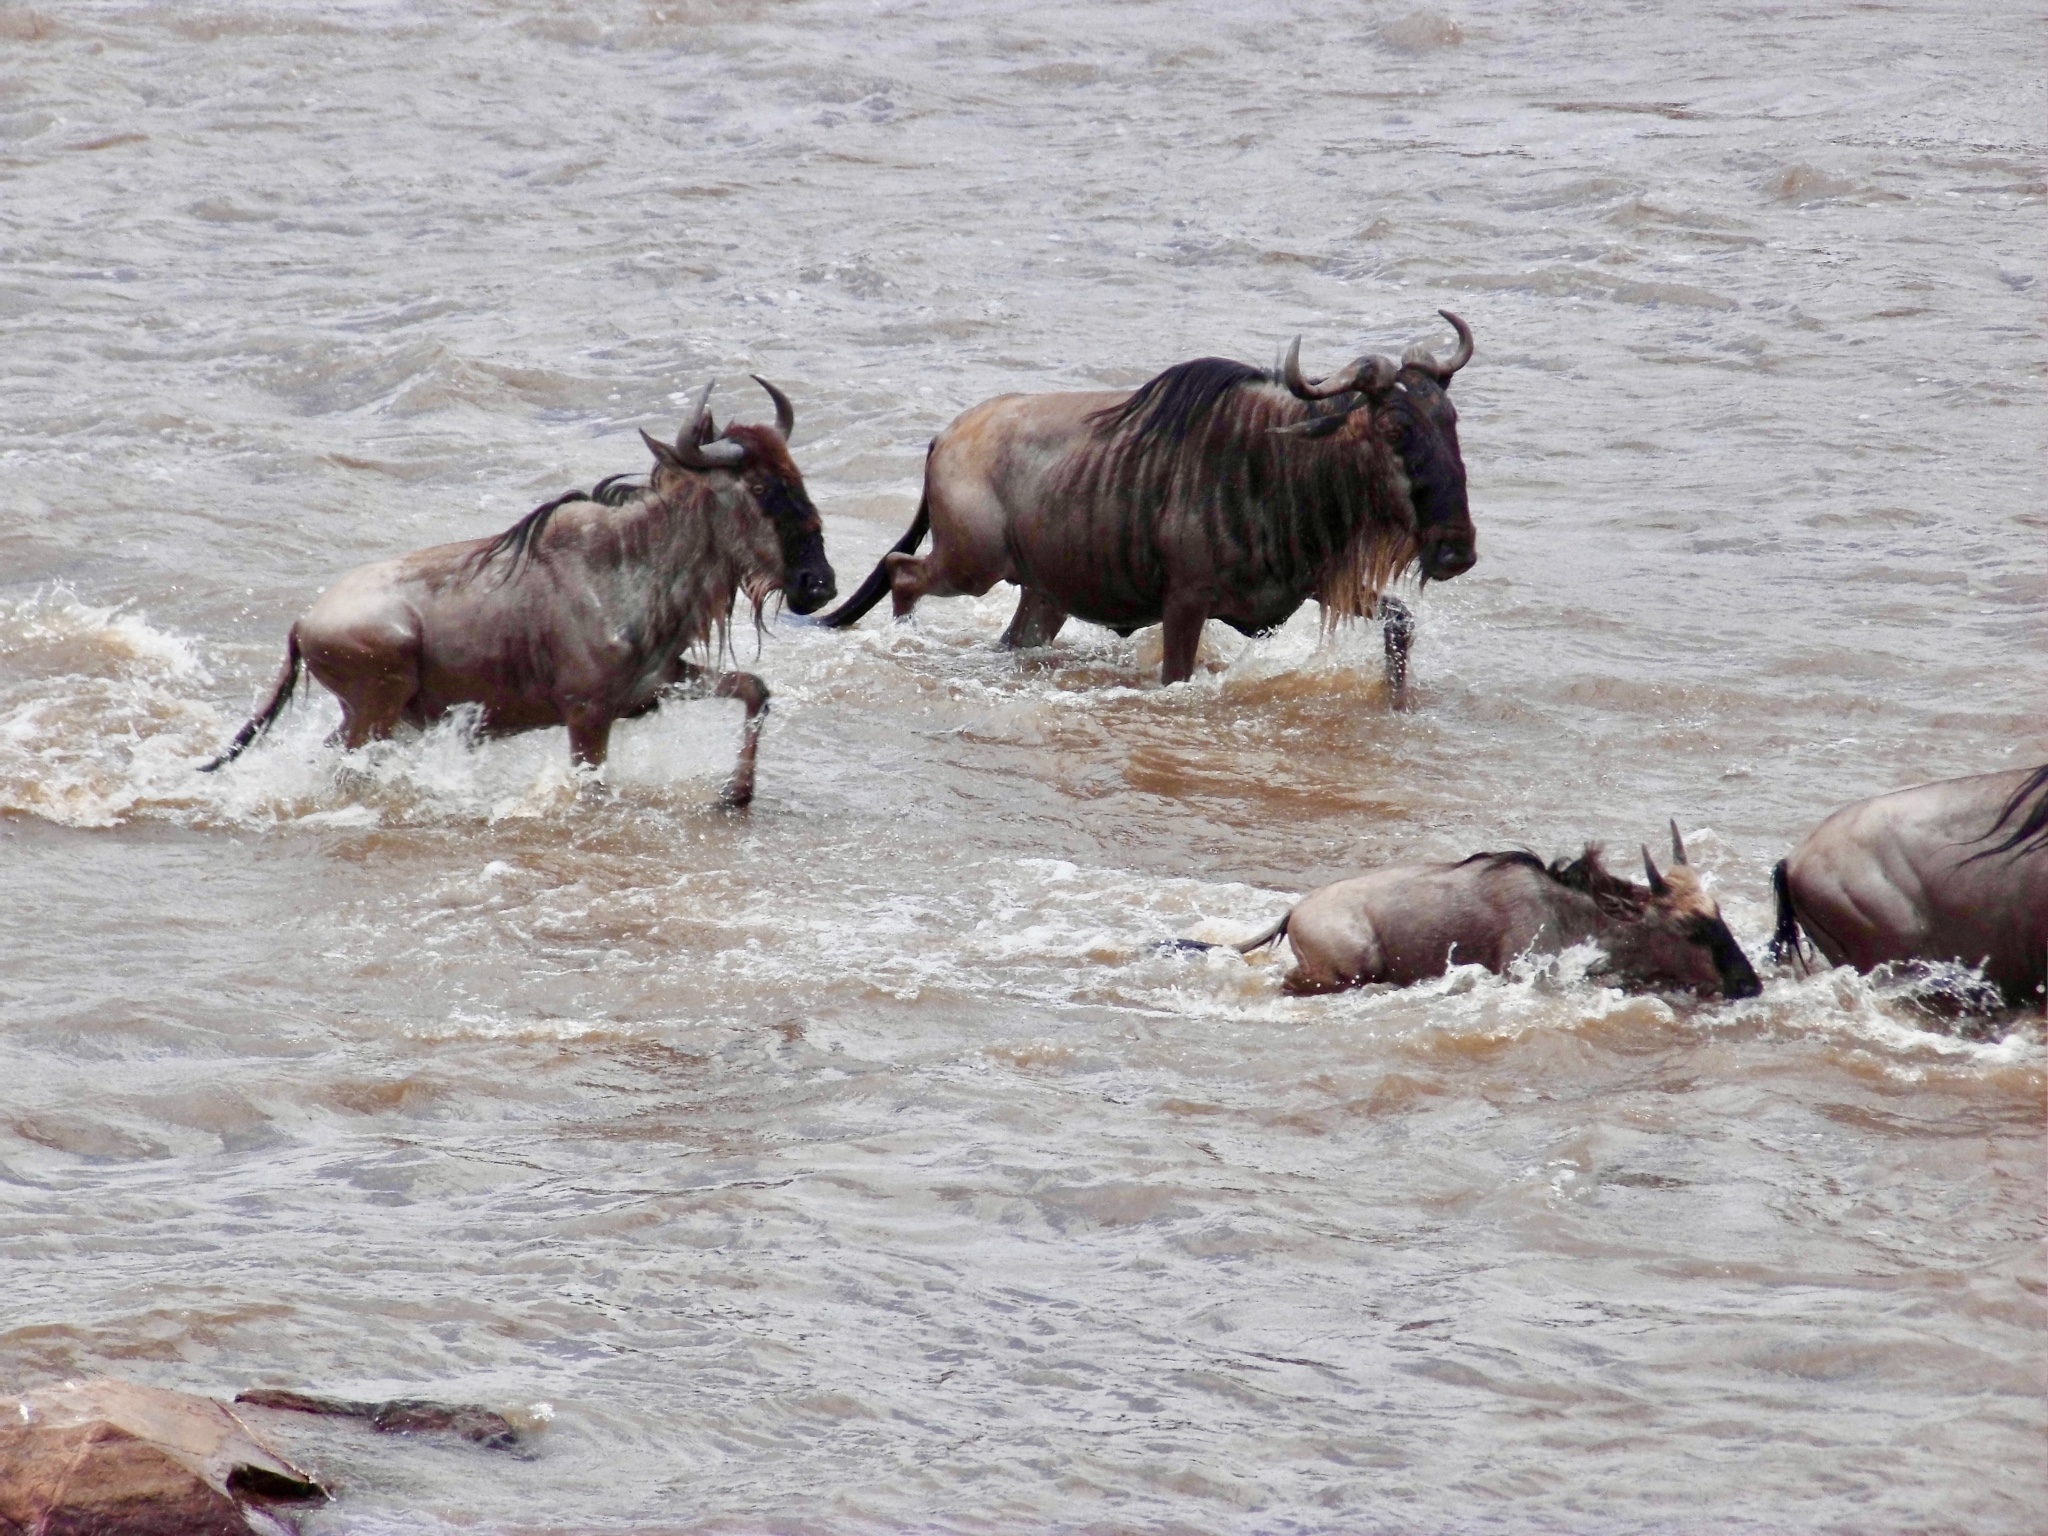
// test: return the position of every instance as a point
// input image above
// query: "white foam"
(108, 721)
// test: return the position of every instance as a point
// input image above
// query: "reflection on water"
(857, 1163)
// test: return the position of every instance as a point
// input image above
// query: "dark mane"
(1612, 894)
(521, 542)
(1521, 858)
(1585, 874)
(1289, 513)
(1169, 405)
(616, 490)
(2031, 835)
(518, 541)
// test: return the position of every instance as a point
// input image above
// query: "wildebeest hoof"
(1182, 947)
(736, 797)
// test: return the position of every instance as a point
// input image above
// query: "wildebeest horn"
(785, 413)
(691, 454)
(688, 432)
(720, 455)
(1657, 885)
(1370, 377)
(1420, 356)
(1677, 843)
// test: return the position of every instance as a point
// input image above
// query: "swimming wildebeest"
(1216, 491)
(1951, 871)
(582, 612)
(1408, 922)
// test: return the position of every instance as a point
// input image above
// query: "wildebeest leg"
(694, 682)
(752, 692)
(372, 669)
(1036, 622)
(1183, 640)
(938, 574)
(906, 583)
(369, 715)
(373, 705)
(1398, 635)
(590, 735)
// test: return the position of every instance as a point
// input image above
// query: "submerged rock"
(110, 1458)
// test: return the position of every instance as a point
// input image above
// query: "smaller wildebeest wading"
(1216, 491)
(1405, 923)
(1952, 872)
(584, 612)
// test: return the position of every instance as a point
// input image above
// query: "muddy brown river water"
(853, 1164)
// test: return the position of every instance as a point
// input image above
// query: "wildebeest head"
(1412, 413)
(1678, 937)
(791, 556)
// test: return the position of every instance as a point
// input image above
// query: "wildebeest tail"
(1243, 946)
(872, 590)
(280, 695)
(1786, 940)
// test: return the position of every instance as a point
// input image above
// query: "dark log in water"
(401, 1416)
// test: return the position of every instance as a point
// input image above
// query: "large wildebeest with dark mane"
(1955, 871)
(584, 611)
(1408, 922)
(1216, 491)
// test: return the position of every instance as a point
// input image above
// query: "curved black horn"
(785, 413)
(688, 433)
(724, 454)
(1369, 376)
(1657, 885)
(1290, 374)
(690, 453)
(1420, 356)
(1677, 843)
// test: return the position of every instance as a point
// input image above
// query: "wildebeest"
(1216, 491)
(582, 612)
(1408, 922)
(1956, 871)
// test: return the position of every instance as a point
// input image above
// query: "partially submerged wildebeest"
(1408, 922)
(582, 612)
(1216, 491)
(1916, 875)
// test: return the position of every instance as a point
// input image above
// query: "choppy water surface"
(853, 1165)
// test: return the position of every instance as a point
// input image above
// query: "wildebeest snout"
(811, 584)
(1448, 554)
(1738, 976)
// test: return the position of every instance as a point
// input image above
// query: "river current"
(854, 1164)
